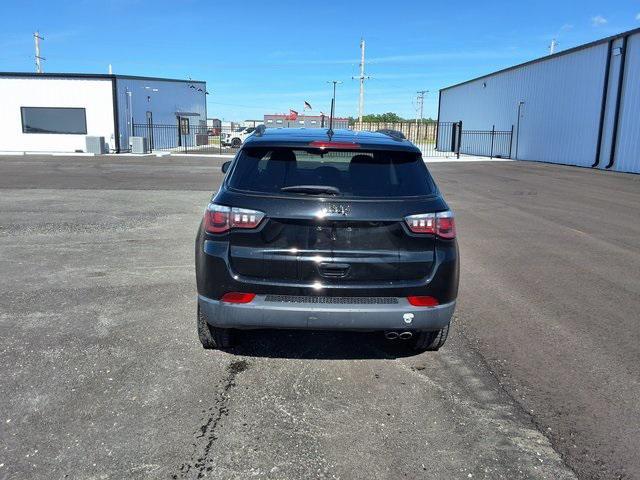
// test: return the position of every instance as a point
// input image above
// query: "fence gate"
(486, 143)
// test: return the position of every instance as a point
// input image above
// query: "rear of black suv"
(310, 231)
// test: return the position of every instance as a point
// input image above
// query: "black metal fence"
(435, 139)
(189, 138)
(446, 139)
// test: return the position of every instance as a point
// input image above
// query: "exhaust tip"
(405, 335)
(391, 335)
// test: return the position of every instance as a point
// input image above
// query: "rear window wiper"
(311, 189)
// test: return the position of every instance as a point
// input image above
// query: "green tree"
(382, 117)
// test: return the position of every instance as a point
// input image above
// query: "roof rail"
(259, 131)
(397, 134)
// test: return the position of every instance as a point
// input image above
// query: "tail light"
(441, 224)
(423, 301)
(238, 297)
(219, 219)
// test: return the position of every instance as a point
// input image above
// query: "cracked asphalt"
(103, 376)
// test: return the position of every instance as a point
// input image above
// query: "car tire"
(431, 341)
(236, 142)
(213, 338)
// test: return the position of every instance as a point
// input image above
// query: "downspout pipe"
(603, 104)
(616, 120)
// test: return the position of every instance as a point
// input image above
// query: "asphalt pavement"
(104, 377)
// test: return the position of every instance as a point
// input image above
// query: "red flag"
(293, 115)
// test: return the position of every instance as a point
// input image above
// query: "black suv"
(314, 229)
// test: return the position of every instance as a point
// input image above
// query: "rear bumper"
(261, 313)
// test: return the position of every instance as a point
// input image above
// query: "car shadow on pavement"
(319, 345)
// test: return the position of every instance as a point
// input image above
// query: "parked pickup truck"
(235, 139)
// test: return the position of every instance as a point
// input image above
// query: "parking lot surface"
(104, 377)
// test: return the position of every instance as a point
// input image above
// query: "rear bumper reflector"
(238, 297)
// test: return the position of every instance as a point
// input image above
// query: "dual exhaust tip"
(393, 335)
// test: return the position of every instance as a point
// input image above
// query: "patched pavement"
(104, 376)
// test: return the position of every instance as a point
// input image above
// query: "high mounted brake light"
(327, 144)
(219, 219)
(441, 224)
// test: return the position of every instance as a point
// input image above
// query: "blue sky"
(268, 56)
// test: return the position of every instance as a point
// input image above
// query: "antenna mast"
(333, 105)
(36, 39)
(553, 46)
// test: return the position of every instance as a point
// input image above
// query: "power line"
(420, 103)
(362, 78)
(36, 39)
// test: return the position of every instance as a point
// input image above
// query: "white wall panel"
(95, 95)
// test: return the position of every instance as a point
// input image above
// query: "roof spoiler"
(397, 134)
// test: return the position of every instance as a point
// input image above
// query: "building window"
(54, 120)
(269, 121)
(184, 126)
(313, 122)
(301, 122)
(278, 121)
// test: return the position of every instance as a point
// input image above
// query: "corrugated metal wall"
(560, 103)
(627, 157)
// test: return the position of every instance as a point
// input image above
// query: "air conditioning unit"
(96, 145)
(139, 144)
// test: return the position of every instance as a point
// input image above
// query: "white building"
(55, 112)
(577, 107)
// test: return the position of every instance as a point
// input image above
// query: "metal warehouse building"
(55, 112)
(577, 107)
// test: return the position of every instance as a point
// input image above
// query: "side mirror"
(225, 166)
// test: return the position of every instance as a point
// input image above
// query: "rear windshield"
(344, 173)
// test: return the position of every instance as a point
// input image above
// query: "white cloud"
(638, 17)
(598, 20)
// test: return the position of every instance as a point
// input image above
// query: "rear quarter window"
(354, 173)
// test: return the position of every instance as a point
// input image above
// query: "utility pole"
(36, 39)
(333, 102)
(362, 78)
(553, 46)
(420, 103)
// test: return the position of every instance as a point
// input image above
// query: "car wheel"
(212, 337)
(431, 341)
(236, 142)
